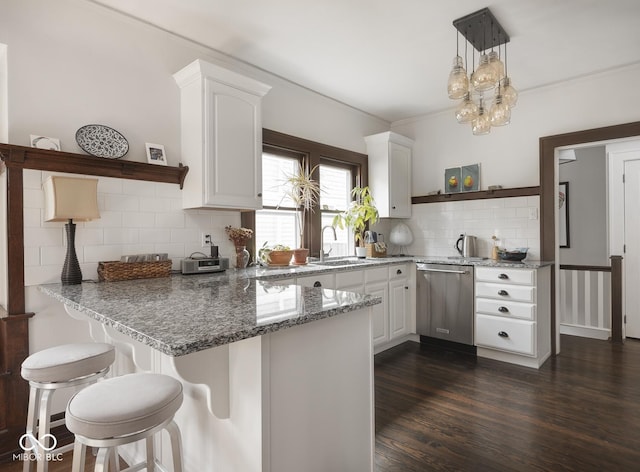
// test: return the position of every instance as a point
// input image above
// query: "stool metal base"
(107, 456)
(39, 420)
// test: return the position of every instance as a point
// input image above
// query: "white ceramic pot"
(361, 252)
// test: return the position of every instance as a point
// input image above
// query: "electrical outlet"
(206, 240)
(533, 213)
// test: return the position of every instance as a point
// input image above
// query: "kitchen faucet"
(335, 238)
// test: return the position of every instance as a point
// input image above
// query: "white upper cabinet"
(221, 126)
(390, 173)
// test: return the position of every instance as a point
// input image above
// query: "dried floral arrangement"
(239, 236)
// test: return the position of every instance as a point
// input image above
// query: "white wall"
(588, 226)
(71, 63)
(509, 156)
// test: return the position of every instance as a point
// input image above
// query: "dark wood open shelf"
(57, 161)
(481, 195)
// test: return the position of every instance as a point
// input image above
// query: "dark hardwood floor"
(443, 411)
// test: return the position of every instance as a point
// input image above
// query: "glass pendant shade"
(482, 124)
(484, 77)
(500, 113)
(467, 111)
(496, 63)
(509, 94)
(458, 84)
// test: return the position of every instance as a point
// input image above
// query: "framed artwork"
(452, 180)
(470, 178)
(563, 206)
(155, 154)
(44, 142)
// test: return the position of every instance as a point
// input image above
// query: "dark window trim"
(315, 153)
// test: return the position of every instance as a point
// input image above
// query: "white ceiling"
(392, 59)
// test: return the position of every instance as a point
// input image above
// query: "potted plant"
(361, 211)
(275, 256)
(304, 192)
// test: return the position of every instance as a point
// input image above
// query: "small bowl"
(515, 255)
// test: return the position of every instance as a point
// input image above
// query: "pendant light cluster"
(486, 94)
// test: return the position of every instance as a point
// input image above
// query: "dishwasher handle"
(445, 271)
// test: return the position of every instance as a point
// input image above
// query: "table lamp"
(68, 199)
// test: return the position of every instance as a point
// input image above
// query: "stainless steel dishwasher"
(444, 308)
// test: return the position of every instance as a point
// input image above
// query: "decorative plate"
(102, 141)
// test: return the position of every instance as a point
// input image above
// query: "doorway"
(548, 201)
(624, 208)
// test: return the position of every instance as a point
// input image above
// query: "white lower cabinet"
(513, 314)
(393, 319)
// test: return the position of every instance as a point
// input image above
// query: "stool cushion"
(123, 405)
(67, 362)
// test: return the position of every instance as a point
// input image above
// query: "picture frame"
(470, 178)
(563, 209)
(156, 154)
(452, 182)
(44, 142)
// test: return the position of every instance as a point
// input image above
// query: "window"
(335, 185)
(338, 172)
(276, 223)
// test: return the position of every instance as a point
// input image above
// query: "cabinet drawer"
(506, 334)
(349, 279)
(518, 293)
(506, 308)
(506, 275)
(320, 280)
(399, 272)
(379, 274)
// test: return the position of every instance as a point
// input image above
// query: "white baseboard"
(585, 331)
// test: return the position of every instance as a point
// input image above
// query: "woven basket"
(113, 271)
(371, 251)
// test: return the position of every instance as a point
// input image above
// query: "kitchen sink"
(340, 262)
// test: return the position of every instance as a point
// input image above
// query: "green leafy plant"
(304, 192)
(361, 211)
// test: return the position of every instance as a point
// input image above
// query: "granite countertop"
(179, 315)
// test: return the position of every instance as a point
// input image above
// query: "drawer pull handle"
(398, 271)
(503, 277)
(503, 334)
(317, 283)
(503, 293)
(503, 309)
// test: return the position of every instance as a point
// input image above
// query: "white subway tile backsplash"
(138, 220)
(135, 187)
(37, 237)
(184, 235)
(122, 203)
(153, 236)
(32, 179)
(110, 185)
(121, 236)
(135, 218)
(170, 220)
(55, 255)
(437, 226)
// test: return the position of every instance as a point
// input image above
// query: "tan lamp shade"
(70, 198)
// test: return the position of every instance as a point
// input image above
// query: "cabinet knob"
(260, 195)
(503, 293)
(503, 277)
(503, 309)
(503, 334)
(393, 207)
(406, 288)
(398, 271)
(317, 283)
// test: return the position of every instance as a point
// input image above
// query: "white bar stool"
(123, 410)
(63, 366)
